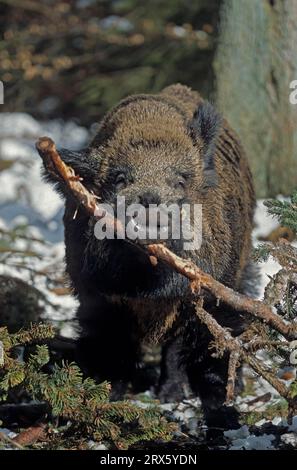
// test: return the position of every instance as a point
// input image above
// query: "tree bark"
(255, 62)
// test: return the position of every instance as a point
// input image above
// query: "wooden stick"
(224, 341)
(238, 302)
(54, 164)
(31, 435)
(234, 362)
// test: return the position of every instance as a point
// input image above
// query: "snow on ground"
(264, 224)
(26, 200)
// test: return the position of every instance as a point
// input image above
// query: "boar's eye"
(120, 181)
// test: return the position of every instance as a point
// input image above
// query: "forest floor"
(30, 206)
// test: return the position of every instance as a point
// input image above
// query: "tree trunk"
(255, 62)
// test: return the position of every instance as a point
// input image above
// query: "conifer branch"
(69, 396)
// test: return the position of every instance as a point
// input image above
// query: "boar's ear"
(205, 124)
(81, 164)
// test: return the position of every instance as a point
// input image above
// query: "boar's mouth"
(148, 234)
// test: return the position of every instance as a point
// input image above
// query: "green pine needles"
(81, 403)
(281, 290)
(285, 211)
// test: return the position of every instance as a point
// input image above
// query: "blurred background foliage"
(77, 58)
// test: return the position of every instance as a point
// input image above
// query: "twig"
(31, 435)
(238, 302)
(15, 251)
(226, 342)
(11, 442)
(234, 362)
(57, 168)
(14, 235)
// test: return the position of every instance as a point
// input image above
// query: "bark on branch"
(238, 302)
(55, 166)
(224, 341)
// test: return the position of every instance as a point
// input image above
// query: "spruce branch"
(70, 397)
(284, 211)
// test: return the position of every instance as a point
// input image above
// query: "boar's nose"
(149, 197)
